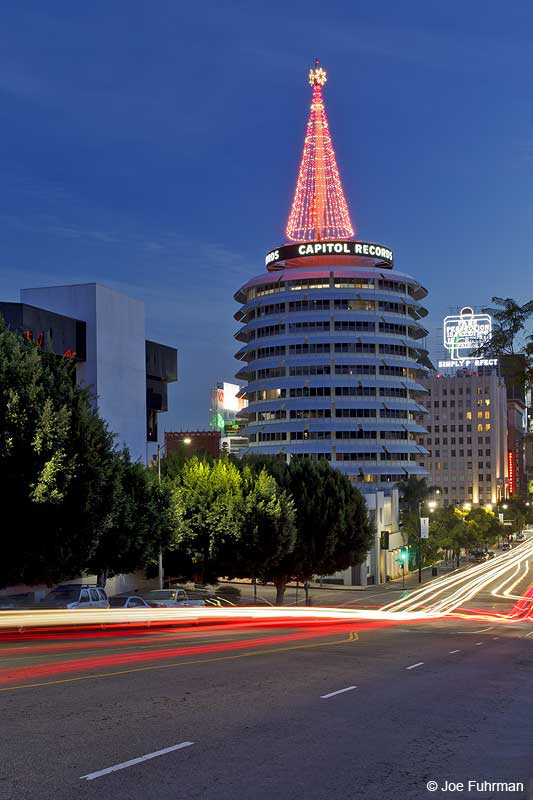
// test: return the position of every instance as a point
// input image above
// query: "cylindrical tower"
(331, 336)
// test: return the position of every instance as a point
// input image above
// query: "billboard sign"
(230, 400)
(378, 253)
(465, 332)
(511, 472)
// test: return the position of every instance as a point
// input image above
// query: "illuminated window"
(487, 402)
(487, 414)
(469, 415)
(480, 414)
(479, 428)
(487, 426)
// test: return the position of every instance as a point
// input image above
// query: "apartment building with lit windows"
(466, 439)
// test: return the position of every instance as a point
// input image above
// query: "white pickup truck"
(172, 598)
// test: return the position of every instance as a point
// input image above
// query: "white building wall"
(115, 369)
(383, 511)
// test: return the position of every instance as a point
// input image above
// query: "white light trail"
(438, 599)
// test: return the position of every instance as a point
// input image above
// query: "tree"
(332, 527)
(208, 506)
(172, 463)
(429, 548)
(510, 319)
(414, 491)
(510, 341)
(488, 527)
(518, 513)
(268, 532)
(140, 523)
(56, 466)
(452, 530)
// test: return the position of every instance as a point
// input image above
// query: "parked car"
(128, 601)
(506, 546)
(520, 537)
(75, 596)
(11, 602)
(172, 598)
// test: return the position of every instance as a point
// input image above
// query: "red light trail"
(67, 633)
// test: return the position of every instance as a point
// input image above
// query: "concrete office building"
(466, 439)
(103, 331)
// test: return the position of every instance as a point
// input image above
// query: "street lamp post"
(420, 542)
(160, 569)
(431, 505)
(501, 516)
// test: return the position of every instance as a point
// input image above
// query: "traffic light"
(385, 540)
(403, 557)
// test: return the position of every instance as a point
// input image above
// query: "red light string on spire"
(319, 209)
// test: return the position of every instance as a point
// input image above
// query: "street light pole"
(420, 542)
(160, 548)
(432, 505)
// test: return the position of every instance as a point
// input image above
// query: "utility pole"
(160, 548)
(423, 532)
(420, 542)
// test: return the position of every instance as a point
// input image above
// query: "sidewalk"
(295, 594)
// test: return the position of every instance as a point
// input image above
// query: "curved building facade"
(332, 338)
(332, 359)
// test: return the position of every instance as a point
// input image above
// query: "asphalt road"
(360, 711)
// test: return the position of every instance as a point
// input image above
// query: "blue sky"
(154, 147)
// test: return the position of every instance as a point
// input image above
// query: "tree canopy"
(511, 340)
(56, 464)
(332, 527)
(77, 505)
(450, 531)
(140, 523)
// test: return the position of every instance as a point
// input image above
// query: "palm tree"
(414, 491)
(510, 320)
(511, 343)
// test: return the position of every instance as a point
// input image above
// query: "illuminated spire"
(319, 209)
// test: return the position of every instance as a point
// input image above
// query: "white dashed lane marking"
(92, 775)
(339, 691)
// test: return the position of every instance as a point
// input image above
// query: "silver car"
(172, 598)
(75, 596)
(127, 601)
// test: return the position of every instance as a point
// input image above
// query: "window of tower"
(308, 283)
(353, 283)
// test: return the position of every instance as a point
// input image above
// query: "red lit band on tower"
(319, 209)
(511, 472)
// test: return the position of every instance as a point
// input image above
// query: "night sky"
(154, 147)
